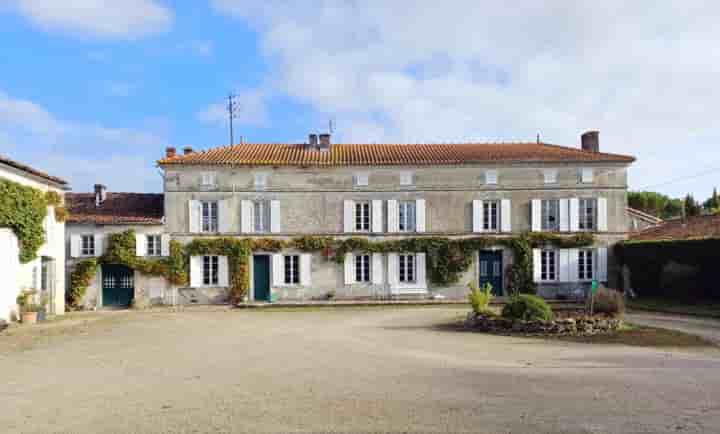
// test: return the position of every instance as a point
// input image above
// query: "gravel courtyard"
(344, 370)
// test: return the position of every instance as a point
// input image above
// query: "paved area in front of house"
(344, 370)
(707, 328)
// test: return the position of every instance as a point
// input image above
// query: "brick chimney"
(170, 152)
(100, 194)
(324, 144)
(187, 150)
(312, 140)
(590, 141)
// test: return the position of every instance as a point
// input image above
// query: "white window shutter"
(392, 216)
(505, 215)
(393, 278)
(477, 216)
(277, 269)
(574, 204)
(75, 241)
(246, 217)
(349, 268)
(196, 270)
(573, 264)
(224, 216)
(193, 216)
(564, 215)
(602, 262)
(564, 265)
(377, 219)
(165, 245)
(99, 245)
(348, 216)
(140, 244)
(602, 214)
(421, 270)
(223, 272)
(537, 265)
(377, 269)
(536, 215)
(305, 269)
(420, 215)
(275, 216)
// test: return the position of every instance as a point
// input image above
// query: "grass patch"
(642, 336)
(665, 305)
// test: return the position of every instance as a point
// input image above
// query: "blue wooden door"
(261, 277)
(491, 270)
(118, 285)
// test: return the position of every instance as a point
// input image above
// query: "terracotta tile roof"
(694, 227)
(27, 169)
(276, 154)
(118, 208)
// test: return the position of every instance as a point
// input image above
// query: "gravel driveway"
(344, 370)
(707, 328)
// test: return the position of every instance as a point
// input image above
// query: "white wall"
(9, 272)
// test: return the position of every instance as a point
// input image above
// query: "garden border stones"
(578, 326)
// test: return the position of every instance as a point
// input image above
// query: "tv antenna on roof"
(233, 109)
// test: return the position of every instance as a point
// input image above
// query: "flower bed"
(580, 325)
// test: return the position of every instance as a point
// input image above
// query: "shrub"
(608, 301)
(480, 298)
(527, 307)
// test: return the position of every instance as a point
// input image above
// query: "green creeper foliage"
(23, 209)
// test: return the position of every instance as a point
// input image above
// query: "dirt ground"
(340, 370)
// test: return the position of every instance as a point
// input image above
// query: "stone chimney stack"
(590, 141)
(324, 144)
(187, 150)
(312, 141)
(170, 152)
(100, 194)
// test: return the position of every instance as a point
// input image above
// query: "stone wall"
(577, 326)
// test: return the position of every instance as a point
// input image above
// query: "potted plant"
(29, 308)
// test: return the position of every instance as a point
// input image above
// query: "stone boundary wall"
(578, 326)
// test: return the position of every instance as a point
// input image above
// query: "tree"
(712, 205)
(692, 207)
(656, 204)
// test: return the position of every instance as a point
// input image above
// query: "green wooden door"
(491, 270)
(261, 277)
(118, 285)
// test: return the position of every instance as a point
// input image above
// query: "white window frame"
(490, 225)
(153, 245)
(586, 265)
(363, 268)
(407, 178)
(208, 179)
(583, 215)
(260, 180)
(261, 209)
(491, 177)
(407, 268)
(90, 248)
(210, 270)
(405, 222)
(361, 180)
(211, 221)
(550, 176)
(547, 205)
(363, 216)
(587, 175)
(549, 270)
(291, 269)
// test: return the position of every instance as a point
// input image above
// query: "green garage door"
(118, 286)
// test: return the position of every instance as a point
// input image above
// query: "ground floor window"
(548, 269)
(585, 265)
(407, 268)
(292, 269)
(154, 245)
(210, 270)
(362, 268)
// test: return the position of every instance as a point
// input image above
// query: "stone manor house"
(373, 191)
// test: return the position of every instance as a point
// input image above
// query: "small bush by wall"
(527, 307)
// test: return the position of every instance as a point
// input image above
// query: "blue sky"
(94, 92)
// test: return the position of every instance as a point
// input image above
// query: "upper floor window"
(550, 215)
(260, 180)
(87, 245)
(406, 178)
(211, 265)
(491, 177)
(292, 269)
(550, 176)
(261, 215)
(406, 216)
(209, 216)
(154, 245)
(548, 265)
(406, 268)
(491, 215)
(585, 265)
(362, 216)
(586, 175)
(209, 179)
(362, 268)
(587, 214)
(360, 179)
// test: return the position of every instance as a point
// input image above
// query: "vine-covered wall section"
(447, 258)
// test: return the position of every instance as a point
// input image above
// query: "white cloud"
(643, 73)
(126, 19)
(82, 153)
(252, 110)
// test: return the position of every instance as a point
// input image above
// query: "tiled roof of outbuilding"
(276, 154)
(32, 171)
(707, 226)
(117, 209)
